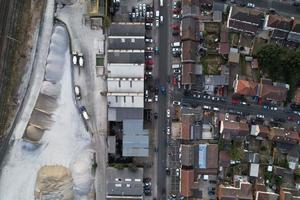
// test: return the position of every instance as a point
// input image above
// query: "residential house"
(296, 99)
(289, 194)
(223, 45)
(281, 135)
(261, 132)
(213, 82)
(242, 190)
(205, 163)
(188, 70)
(259, 195)
(187, 155)
(189, 51)
(293, 156)
(187, 181)
(189, 29)
(294, 34)
(230, 130)
(265, 92)
(124, 183)
(245, 20)
(279, 26)
(187, 128)
(190, 8)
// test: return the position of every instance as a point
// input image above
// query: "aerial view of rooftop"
(150, 100)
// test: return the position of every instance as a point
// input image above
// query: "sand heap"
(54, 182)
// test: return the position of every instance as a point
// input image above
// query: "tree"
(297, 172)
(235, 152)
(107, 22)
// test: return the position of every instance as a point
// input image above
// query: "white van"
(161, 2)
(176, 66)
(157, 14)
(175, 44)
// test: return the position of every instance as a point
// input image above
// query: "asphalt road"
(245, 109)
(160, 127)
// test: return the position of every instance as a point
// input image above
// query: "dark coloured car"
(155, 115)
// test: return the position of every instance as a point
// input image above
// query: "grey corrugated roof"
(127, 29)
(126, 43)
(135, 138)
(124, 182)
(216, 80)
(125, 57)
(111, 144)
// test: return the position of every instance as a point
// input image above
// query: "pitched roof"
(244, 19)
(223, 48)
(212, 161)
(187, 180)
(247, 88)
(244, 191)
(189, 51)
(296, 98)
(284, 136)
(188, 155)
(246, 15)
(279, 22)
(260, 131)
(190, 7)
(233, 130)
(273, 92)
(187, 71)
(189, 26)
(186, 121)
(266, 196)
(224, 158)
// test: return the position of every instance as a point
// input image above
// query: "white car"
(226, 116)
(177, 172)
(157, 23)
(80, 60)
(84, 113)
(175, 16)
(260, 116)
(176, 71)
(77, 92)
(161, 19)
(157, 14)
(168, 131)
(250, 5)
(156, 98)
(168, 113)
(178, 103)
(216, 109)
(274, 108)
(74, 58)
(206, 107)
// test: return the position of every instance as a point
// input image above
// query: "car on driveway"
(168, 113)
(176, 103)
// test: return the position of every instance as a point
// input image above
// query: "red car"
(148, 67)
(175, 27)
(149, 62)
(174, 80)
(176, 10)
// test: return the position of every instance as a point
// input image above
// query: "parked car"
(155, 115)
(176, 16)
(74, 57)
(84, 113)
(77, 92)
(260, 116)
(250, 5)
(157, 23)
(168, 131)
(177, 172)
(175, 27)
(175, 33)
(168, 113)
(149, 62)
(177, 71)
(148, 40)
(80, 60)
(161, 19)
(176, 103)
(156, 98)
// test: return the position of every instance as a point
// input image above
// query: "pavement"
(90, 42)
(282, 7)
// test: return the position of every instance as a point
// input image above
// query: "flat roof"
(135, 138)
(126, 43)
(119, 114)
(126, 101)
(125, 70)
(202, 155)
(124, 182)
(125, 86)
(126, 57)
(127, 29)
